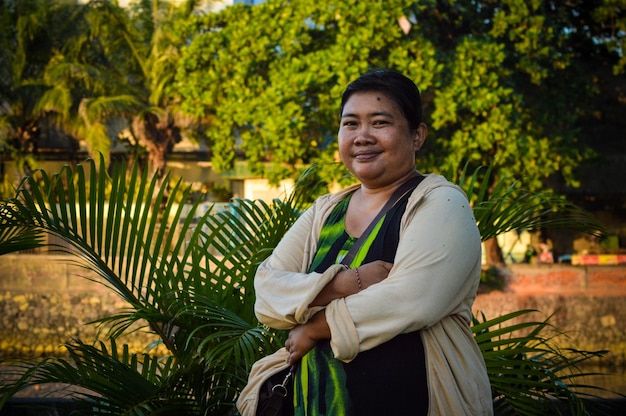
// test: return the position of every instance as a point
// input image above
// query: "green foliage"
(19, 238)
(87, 72)
(134, 383)
(529, 374)
(507, 96)
(190, 283)
(271, 75)
(500, 81)
(113, 76)
(501, 207)
(30, 31)
(505, 84)
(611, 15)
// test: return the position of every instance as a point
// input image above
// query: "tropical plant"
(190, 280)
(192, 286)
(529, 373)
(30, 30)
(503, 206)
(111, 78)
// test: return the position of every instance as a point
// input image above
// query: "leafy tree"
(498, 78)
(30, 32)
(99, 70)
(271, 75)
(200, 295)
(505, 84)
(118, 67)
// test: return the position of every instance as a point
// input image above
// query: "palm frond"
(62, 71)
(97, 138)
(20, 238)
(14, 236)
(114, 226)
(57, 99)
(104, 107)
(529, 374)
(500, 208)
(223, 336)
(190, 277)
(128, 381)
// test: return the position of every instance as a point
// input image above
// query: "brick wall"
(588, 303)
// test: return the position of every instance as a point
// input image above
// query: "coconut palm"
(188, 278)
(140, 46)
(111, 77)
(30, 31)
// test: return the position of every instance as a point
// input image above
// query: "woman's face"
(375, 141)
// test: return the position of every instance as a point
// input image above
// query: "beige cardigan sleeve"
(283, 287)
(434, 276)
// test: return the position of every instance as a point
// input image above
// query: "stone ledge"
(44, 304)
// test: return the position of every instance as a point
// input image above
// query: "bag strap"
(397, 195)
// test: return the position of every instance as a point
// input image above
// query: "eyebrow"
(376, 114)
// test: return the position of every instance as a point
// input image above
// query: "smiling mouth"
(366, 155)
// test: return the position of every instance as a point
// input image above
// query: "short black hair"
(396, 86)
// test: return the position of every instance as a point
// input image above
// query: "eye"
(349, 123)
(380, 122)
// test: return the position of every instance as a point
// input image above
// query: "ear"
(420, 136)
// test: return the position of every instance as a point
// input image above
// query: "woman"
(389, 334)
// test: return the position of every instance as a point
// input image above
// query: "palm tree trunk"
(158, 134)
(493, 252)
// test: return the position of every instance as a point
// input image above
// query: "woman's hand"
(346, 282)
(298, 343)
(302, 338)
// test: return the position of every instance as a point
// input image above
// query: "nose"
(364, 136)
